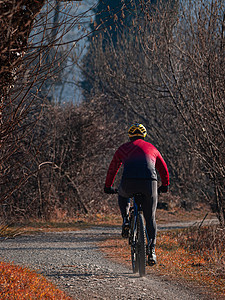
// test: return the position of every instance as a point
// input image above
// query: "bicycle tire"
(141, 251)
(133, 243)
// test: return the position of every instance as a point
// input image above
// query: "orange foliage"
(20, 283)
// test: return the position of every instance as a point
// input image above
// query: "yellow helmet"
(137, 130)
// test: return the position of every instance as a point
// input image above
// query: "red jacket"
(140, 160)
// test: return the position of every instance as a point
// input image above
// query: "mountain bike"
(138, 237)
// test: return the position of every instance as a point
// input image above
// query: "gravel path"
(72, 260)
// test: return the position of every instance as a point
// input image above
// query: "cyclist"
(140, 160)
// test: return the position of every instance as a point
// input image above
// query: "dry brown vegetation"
(21, 283)
(180, 256)
(166, 70)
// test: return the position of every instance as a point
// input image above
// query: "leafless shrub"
(64, 166)
(209, 242)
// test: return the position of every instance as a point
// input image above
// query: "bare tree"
(33, 53)
(168, 72)
(17, 19)
(193, 73)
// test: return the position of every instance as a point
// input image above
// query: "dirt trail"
(73, 261)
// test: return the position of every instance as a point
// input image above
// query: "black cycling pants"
(148, 188)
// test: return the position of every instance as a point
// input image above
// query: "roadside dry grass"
(179, 259)
(19, 283)
(62, 223)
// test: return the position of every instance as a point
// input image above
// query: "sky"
(74, 18)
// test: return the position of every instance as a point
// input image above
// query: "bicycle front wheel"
(141, 245)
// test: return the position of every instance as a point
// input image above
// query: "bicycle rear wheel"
(133, 243)
(141, 245)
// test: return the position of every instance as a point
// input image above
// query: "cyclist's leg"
(124, 205)
(148, 188)
(149, 209)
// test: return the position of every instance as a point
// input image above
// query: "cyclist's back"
(140, 160)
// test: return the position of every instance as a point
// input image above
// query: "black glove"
(110, 190)
(163, 189)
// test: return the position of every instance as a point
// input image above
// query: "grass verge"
(20, 283)
(98, 219)
(180, 256)
(58, 225)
